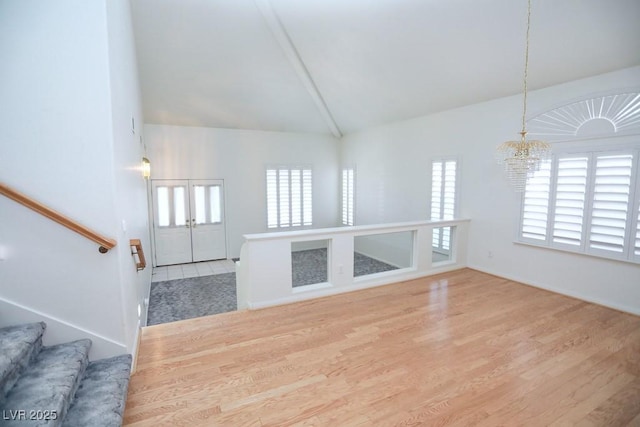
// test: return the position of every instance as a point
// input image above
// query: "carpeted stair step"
(102, 394)
(43, 393)
(19, 346)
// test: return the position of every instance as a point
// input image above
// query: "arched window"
(587, 197)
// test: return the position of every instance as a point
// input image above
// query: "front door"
(188, 220)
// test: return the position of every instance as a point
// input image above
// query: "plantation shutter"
(609, 213)
(636, 251)
(307, 198)
(443, 189)
(436, 189)
(289, 197)
(449, 191)
(284, 197)
(535, 212)
(296, 197)
(272, 198)
(443, 198)
(569, 207)
(587, 202)
(347, 196)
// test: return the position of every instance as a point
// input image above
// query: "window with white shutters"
(443, 198)
(347, 196)
(289, 197)
(585, 202)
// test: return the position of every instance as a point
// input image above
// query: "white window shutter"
(569, 209)
(535, 211)
(347, 196)
(443, 189)
(284, 197)
(436, 189)
(296, 197)
(289, 197)
(272, 198)
(449, 191)
(636, 251)
(443, 198)
(307, 198)
(609, 215)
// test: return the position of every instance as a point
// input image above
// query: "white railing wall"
(264, 272)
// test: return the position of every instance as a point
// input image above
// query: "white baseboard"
(134, 350)
(59, 331)
(577, 295)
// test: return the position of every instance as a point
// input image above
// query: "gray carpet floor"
(310, 266)
(181, 299)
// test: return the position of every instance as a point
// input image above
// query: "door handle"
(194, 222)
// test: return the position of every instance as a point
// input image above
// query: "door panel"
(171, 228)
(208, 237)
(188, 220)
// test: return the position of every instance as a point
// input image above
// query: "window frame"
(350, 209)
(593, 149)
(456, 197)
(305, 201)
(439, 232)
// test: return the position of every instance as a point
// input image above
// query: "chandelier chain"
(526, 69)
(521, 159)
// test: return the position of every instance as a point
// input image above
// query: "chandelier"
(522, 158)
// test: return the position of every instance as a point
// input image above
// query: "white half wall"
(264, 273)
(240, 157)
(393, 184)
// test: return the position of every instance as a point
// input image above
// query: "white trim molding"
(567, 122)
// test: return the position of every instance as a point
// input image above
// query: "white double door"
(188, 220)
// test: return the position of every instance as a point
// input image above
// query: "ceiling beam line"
(290, 51)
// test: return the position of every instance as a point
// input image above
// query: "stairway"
(57, 385)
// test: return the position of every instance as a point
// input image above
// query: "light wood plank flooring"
(461, 348)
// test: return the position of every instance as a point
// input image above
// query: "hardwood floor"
(461, 348)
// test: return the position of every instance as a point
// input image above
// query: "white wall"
(240, 158)
(61, 142)
(391, 248)
(393, 184)
(128, 149)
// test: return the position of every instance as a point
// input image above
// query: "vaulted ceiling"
(338, 66)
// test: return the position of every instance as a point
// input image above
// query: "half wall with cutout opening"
(309, 262)
(377, 253)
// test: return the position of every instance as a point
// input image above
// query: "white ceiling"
(217, 63)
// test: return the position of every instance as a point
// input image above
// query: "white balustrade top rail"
(264, 272)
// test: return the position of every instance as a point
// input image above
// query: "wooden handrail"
(104, 242)
(135, 243)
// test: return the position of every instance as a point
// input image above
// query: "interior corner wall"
(56, 145)
(128, 149)
(393, 184)
(240, 157)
